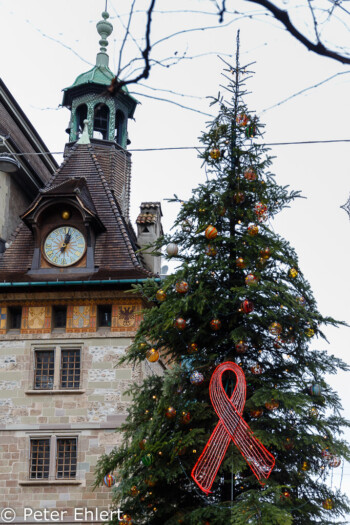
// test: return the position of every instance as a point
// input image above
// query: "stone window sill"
(31, 482)
(54, 392)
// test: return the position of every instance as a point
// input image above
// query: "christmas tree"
(234, 329)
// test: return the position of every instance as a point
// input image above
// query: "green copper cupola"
(88, 98)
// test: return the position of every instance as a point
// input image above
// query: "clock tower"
(67, 314)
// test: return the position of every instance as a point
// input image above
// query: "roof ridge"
(116, 212)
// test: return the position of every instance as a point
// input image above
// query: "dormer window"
(101, 122)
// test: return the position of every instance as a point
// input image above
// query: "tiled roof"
(146, 218)
(115, 250)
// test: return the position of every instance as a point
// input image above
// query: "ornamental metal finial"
(104, 29)
(346, 207)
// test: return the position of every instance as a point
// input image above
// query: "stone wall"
(90, 414)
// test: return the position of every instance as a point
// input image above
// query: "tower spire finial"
(104, 29)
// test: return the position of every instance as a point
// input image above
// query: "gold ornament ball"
(65, 215)
(215, 153)
(253, 230)
(152, 355)
(310, 332)
(211, 232)
(134, 491)
(211, 251)
(305, 466)
(327, 504)
(275, 328)
(192, 348)
(143, 346)
(293, 273)
(256, 412)
(181, 287)
(161, 296)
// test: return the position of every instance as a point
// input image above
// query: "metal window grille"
(39, 458)
(70, 368)
(66, 460)
(44, 369)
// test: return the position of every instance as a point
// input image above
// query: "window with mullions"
(70, 368)
(57, 368)
(66, 458)
(44, 369)
(39, 458)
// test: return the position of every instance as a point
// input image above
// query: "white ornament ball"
(172, 249)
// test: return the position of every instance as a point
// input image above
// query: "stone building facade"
(67, 315)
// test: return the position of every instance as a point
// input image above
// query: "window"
(70, 368)
(44, 369)
(104, 315)
(59, 317)
(60, 465)
(39, 458)
(119, 127)
(66, 458)
(57, 368)
(80, 116)
(101, 121)
(15, 317)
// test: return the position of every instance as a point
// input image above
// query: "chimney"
(149, 228)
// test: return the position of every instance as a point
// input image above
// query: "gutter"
(65, 283)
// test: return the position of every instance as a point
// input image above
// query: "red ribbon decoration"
(231, 426)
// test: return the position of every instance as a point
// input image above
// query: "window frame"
(53, 459)
(57, 377)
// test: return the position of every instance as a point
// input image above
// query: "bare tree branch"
(283, 17)
(116, 85)
(172, 102)
(305, 90)
(127, 30)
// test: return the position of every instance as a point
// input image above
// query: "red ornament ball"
(185, 418)
(272, 405)
(170, 413)
(257, 369)
(126, 520)
(142, 444)
(251, 280)
(250, 174)
(256, 412)
(240, 263)
(247, 306)
(215, 324)
(242, 119)
(265, 253)
(211, 232)
(260, 211)
(289, 444)
(181, 287)
(241, 347)
(238, 197)
(180, 323)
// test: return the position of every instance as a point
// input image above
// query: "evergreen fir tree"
(199, 319)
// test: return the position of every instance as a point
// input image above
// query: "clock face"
(64, 246)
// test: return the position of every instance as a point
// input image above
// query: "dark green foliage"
(302, 426)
